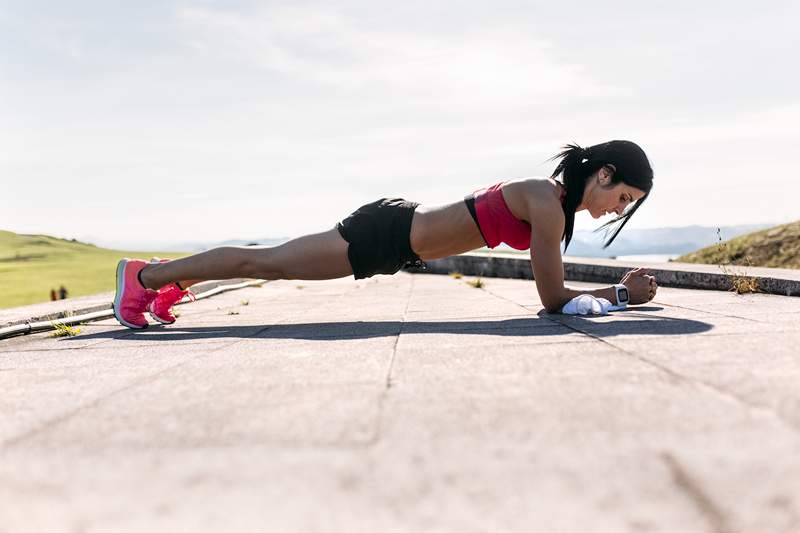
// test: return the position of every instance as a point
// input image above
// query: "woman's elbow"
(553, 304)
(553, 309)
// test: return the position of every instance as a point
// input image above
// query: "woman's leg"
(311, 257)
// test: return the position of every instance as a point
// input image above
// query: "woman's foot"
(161, 307)
(132, 298)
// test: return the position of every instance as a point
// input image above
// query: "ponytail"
(574, 168)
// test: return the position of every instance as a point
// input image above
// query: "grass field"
(777, 247)
(31, 265)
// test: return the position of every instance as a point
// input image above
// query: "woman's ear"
(605, 173)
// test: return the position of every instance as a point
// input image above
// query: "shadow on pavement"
(554, 325)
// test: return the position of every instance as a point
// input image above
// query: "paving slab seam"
(712, 313)
(376, 434)
(544, 316)
(95, 345)
(693, 490)
(465, 318)
(123, 335)
(273, 444)
(92, 346)
(397, 340)
(790, 424)
(539, 344)
(8, 443)
(35, 336)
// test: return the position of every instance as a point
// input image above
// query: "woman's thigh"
(312, 257)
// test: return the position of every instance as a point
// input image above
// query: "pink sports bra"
(495, 220)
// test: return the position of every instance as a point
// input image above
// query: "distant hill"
(656, 241)
(661, 241)
(202, 246)
(32, 265)
(777, 247)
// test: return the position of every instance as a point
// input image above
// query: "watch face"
(622, 295)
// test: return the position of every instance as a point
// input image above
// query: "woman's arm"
(547, 226)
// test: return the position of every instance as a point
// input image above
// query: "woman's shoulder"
(533, 198)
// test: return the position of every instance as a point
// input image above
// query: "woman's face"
(601, 197)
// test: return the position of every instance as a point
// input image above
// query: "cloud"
(496, 67)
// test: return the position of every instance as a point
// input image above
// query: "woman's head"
(602, 194)
(615, 176)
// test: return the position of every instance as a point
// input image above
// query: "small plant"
(62, 330)
(232, 312)
(741, 283)
(245, 302)
(744, 284)
(258, 285)
(300, 286)
(456, 275)
(477, 283)
(176, 313)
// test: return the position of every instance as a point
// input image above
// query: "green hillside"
(31, 265)
(777, 247)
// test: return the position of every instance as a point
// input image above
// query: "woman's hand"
(641, 286)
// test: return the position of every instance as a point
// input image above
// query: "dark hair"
(575, 166)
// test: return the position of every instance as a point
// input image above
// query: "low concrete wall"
(65, 309)
(785, 282)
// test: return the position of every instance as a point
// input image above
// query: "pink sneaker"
(132, 298)
(161, 307)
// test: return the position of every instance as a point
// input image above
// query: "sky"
(179, 121)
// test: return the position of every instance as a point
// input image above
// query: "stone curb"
(104, 311)
(785, 282)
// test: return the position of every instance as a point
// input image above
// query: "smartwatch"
(622, 294)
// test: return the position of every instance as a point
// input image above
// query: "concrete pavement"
(411, 402)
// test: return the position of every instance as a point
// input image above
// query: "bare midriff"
(445, 230)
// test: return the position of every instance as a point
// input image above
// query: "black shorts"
(380, 237)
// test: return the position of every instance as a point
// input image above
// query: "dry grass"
(456, 275)
(245, 302)
(744, 284)
(232, 312)
(741, 283)
(62, 330)
(477, 283)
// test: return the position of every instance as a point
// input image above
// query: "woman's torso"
(442, 231)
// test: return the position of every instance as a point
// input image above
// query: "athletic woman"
(383, 236)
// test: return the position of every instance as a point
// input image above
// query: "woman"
(383, 236)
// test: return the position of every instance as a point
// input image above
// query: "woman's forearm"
(571, 292)
(604, 292)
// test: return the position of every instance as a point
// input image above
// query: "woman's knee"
(263, 263)
(317, 256)
(251, 261)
